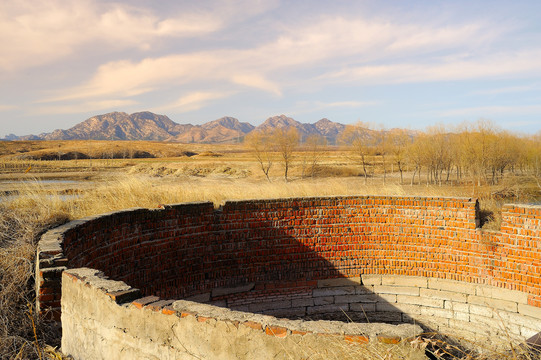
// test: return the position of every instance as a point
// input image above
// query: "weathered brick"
(276, 331)
(443, 295)
(495, 304)
(451, 286)
(398, 290)
(356, 339)
(418, 300)
(140, 303)
(531, 311)
(400, 280)
(350, 281)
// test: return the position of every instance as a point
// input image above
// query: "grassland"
(38, 194)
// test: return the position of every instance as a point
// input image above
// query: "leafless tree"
(261, 143)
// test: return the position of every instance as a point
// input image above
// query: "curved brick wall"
(386, 258)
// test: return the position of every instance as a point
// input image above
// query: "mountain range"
(149, 126)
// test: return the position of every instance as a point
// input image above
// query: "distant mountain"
(146, 126)
(223, 130)
(324, 127)
(149, 126)
(119, 126)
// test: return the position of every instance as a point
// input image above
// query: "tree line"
(477, 152)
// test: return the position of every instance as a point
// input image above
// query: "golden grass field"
(38, 194)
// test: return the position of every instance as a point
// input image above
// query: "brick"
(451, 286)
(216, 292)
(398, 290)
(531, 311)
(253, 325)
(351, 281)
(200, 298)
(388, 339)
(417, 300)
(356, 339)
(324, 300)
(343, 290)
(290, 312)
(140, 303)
(276, 331)
(348, 299)
(443, 295)
(502, 294)
(363, 307)
(327, 309)
(168, 310)
(381, 316)
(158, 305)
(124, 296)
(481, 310)
(489, 322)
(441, 313)
(398, 280)
(184, 314)
(370, 280)
(495, 304)
(271, 305)
(518, 319)
(302, 302)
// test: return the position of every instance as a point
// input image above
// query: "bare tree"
(382, 148)
(314, 150)
(359, 138)
(399, 140)
(285, 142)
(261, 143)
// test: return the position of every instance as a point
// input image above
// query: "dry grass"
(21, 223)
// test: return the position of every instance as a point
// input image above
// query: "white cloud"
(194, 101)
(36, 32)
(257, 81)
(83, 107)
(270, 67)
(7, 107)
(494, 66)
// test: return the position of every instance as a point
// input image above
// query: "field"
(43, 184)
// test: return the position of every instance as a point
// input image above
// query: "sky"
(408, 64)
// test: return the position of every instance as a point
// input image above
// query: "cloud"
(273, 65)
(506, 90)
(194, 101)
(39, 32)
(126, 78)
(493, 66)
(7, 107)
(257, 81)
(82, 107)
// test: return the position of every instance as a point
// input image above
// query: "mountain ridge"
(146, 125)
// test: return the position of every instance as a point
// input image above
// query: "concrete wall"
(414, 259)
(100, 322)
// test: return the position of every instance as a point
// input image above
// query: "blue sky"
(409, 64)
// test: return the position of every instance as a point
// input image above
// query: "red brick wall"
(189, 249)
